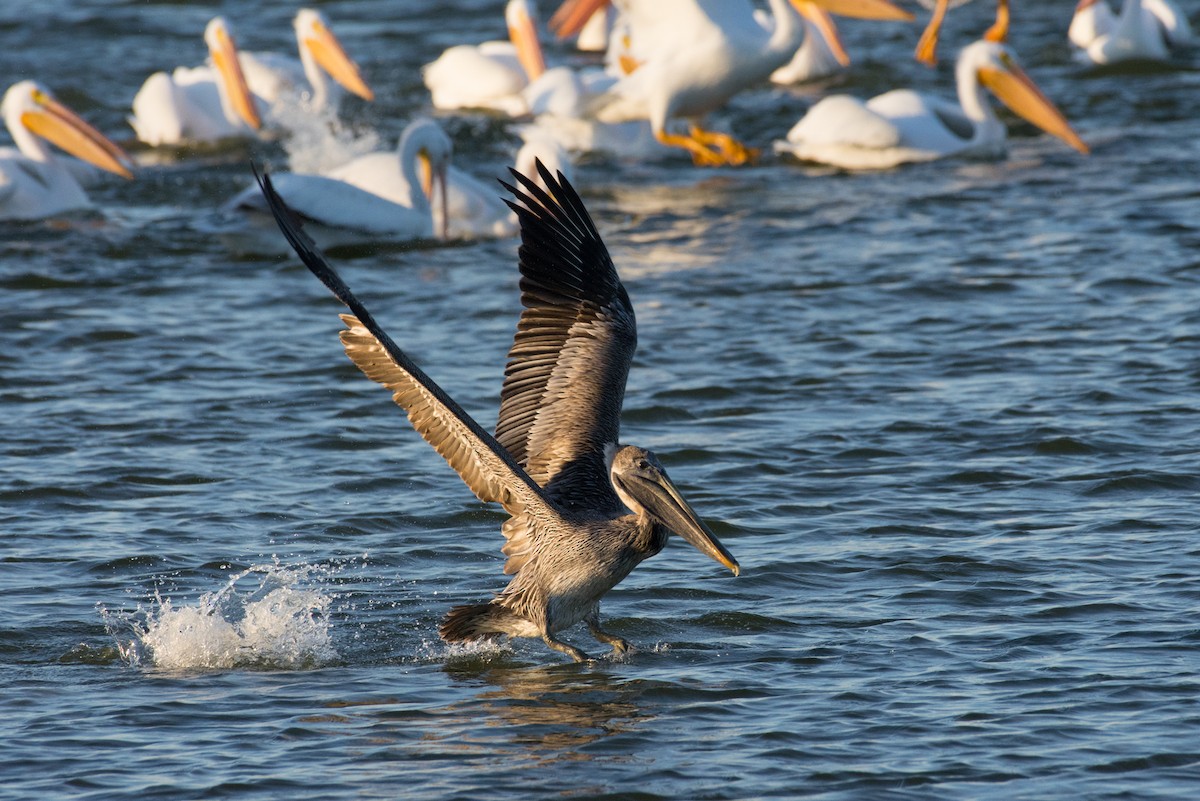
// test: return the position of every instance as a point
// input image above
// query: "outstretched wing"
(565, 380)
(485, 466)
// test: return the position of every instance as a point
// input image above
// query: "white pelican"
(1145, 30)
(33, 183)
(903, 126)
(692, 56)
(202, 104)
(275, 78)
(373, 193)
(473, 207)
(490, 75)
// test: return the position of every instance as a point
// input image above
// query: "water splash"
(319, 142)
(265, 617)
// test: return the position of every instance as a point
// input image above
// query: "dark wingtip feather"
(560, 246)
(308, 250)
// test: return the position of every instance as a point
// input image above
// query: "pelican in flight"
(202, 104)
(1145, 30)
(491, 75)
(583, 510)
(692, 56)
(385, 193)
(33, 183)
(275, 78)
(905, 126)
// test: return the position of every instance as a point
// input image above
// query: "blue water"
(945, 417)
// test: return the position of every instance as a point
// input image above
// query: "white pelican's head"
(995, 67)
(30, 107)
(223, 51)
(427, 144)
(520, 16)
(315, 38)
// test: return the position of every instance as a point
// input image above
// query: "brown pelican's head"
(642, 485)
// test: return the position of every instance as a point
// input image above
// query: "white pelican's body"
(287, 86)
(1144, 30)
(490, 75)
(34, 184)
(204, 104)
(685, 58)
(904, 126)
(561, 100)
(375, 193)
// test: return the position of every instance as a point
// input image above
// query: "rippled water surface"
(946, 417)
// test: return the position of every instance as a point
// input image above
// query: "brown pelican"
(584, 511)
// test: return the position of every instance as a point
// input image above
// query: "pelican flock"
(583, 509)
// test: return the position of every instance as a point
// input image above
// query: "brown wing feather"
(486, 467)
(565, 380)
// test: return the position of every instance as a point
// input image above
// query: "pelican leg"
(562, 647)
(618, 644)
(702, 156)
(733, 151)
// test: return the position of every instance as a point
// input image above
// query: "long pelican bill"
(433, 178)
(1017, 91)
(821, 19)
(663, 501)
(865, 9)
(926, 51)
(523, 34)
(225, 59)
(332, 58)
(572, 15)
(56, 123)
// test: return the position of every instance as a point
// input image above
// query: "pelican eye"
(643, 464)
(40, 97)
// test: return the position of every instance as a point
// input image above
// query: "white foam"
(268, 616)
(317, 143)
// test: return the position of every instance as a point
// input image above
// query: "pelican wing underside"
(483, 464)
(565, 379)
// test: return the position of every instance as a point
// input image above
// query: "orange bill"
(1017, 91)
(865, 9)
(523, 34)
(225, 59)
(572, 15)
(332, 58)
(821, 19)
(56, 123)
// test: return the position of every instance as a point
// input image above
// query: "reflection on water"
(551, 713)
